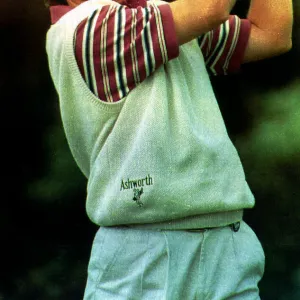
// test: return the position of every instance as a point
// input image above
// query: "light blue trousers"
(136, 264)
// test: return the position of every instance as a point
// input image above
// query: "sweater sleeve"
(117, 47)
(224, 47)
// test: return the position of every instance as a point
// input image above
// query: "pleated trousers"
(137, 264)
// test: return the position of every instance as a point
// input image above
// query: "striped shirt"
(119, 46)
(223, 48)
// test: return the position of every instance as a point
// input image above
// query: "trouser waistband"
(234, 227)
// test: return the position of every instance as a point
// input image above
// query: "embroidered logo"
(138, 186)
(137, 196)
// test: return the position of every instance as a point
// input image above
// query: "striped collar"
(58, 11)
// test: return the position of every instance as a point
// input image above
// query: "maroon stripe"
(78, 46)
(110, 55)
(239, 52)
(155, 40)
(58, 11)
(215, 39)
(139, 45)
(97, 57)
(172, 44)
(136, 3)
(127, 50)
(204, 47)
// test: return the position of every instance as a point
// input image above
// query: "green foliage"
(275, 135)
(271, 153)
(62, 178)
(271, 158)
(59, 278)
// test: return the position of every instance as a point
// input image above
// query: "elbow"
(283, 46)
(282, 39)
(278, 43)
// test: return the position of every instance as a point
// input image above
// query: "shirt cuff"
(169, 31)
(239, 52)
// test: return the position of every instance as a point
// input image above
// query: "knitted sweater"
(161, 156)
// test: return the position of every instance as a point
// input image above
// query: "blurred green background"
(45, 234)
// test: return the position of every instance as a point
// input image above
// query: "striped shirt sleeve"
(224, 47)
(117, 47)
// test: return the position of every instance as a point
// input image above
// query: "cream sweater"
(159, 158)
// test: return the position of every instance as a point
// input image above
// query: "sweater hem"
(203, 221)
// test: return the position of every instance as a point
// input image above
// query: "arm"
(195, 17)
(271, 29)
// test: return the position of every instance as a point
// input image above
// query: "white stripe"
(161, 38)
(75, 38)
(143, 43)
(219, 42)
(92, 66)
(103, 49)
(116, 37)
(123, 70)
(227, 30)
(133, 48)
(234, 43)
(210, 39)
(103, 35)
(84, 54)
(203, 41)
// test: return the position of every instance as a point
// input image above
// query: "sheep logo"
(137, 196)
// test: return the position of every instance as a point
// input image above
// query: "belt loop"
(235, 226)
